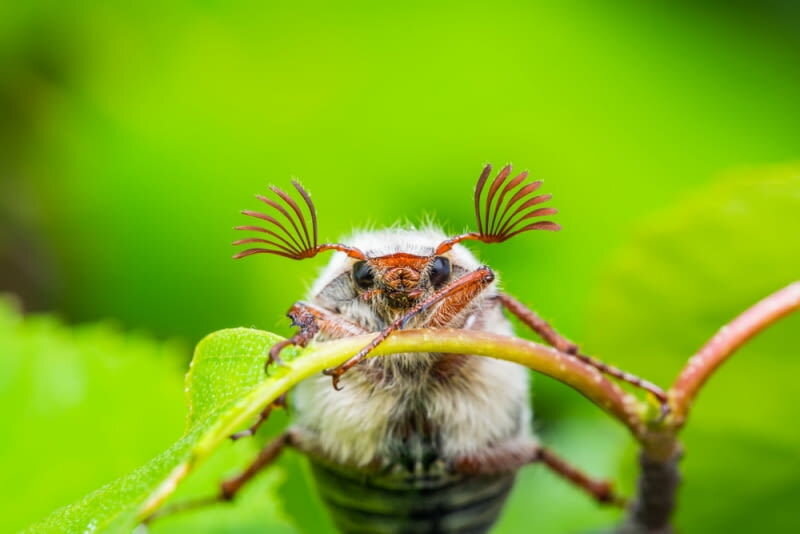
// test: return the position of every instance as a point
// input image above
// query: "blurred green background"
(132, 134)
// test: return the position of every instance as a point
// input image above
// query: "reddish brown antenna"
(503, 220)
(294, 241)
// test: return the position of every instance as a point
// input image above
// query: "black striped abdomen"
(448, 504)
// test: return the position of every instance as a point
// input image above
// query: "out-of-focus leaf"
(686, 273)
(79, 406)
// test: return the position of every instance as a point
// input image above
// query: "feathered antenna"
(295, 241)
(503, 220)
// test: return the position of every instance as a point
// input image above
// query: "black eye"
(362, 274)
(440, 271)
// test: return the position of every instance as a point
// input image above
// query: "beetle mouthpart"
(414, 294)
(401, 279)
(404, 299)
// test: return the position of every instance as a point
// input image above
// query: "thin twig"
(720, 347)
(659, 477)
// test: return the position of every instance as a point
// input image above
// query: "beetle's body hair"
(472, 402)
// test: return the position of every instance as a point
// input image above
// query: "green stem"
(561, 366)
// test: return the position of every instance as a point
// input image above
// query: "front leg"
(312, 320)
(455, 296)
(556, 340)
(513, 455)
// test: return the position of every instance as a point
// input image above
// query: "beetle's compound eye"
(363, 275)
(440, 271)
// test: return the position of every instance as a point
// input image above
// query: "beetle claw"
(336, 375)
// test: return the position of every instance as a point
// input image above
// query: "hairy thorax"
(410, 410)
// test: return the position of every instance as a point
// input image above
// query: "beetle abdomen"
(419, 504)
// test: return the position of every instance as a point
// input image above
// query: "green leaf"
(687, 272)
(227, 366)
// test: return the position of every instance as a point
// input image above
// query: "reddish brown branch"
(729, 338)
(659, 477)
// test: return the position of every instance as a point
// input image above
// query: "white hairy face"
(336, 290)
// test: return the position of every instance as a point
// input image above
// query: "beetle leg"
(309, 327)
(511, 456)
(312, 320)
(556, 340)
(230, 487)
(456, 296)
(280, 402)
(601, 490)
